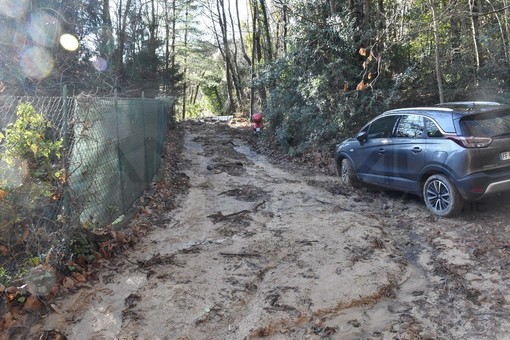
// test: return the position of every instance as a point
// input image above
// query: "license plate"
(504, 156)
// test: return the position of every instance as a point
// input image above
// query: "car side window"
(432, 129)
(382, 127)
(410, 126)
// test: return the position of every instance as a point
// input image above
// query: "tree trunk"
(473, 9)
(381, 26)
(243, 49)
(197, 89)
(185, 72)
(507, 21)
(439, 75)
(121, 38)
(280, 43)
(367, 18)
(332, 7)
(234, 66)
(267, 31)
(167, 48)
(501, 33)
(455, 33)
(107, 32)
(153, 39)
(285, 27)
(167, 38)
(174, 19)
(223, 26)
(253, 50)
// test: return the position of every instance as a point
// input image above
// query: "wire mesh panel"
(67, 163)
(93, 165)
(116, 143)
(155, 128)
(101, 153)
(131, 149)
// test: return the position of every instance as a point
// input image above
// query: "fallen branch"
(258, 205)
(237, 213)
(240, 254)
(220, 217)
(307, 242)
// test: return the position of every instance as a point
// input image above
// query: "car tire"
(348, 174)
(442, 197)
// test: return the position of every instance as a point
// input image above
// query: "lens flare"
(36, 62)
(12, 176)
(100, 64)
(69, 42)
(14, 8)
(44, 29)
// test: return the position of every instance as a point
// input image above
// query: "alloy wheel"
(439, 196)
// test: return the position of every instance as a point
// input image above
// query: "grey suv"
(448, 154)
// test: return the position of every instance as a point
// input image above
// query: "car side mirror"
(362, 137)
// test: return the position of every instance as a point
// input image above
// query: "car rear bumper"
(480, 185)
(496, 187)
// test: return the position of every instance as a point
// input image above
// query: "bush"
(31, 181)
(26, 140)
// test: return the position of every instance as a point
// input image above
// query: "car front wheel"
(348, 174)
(441, 197)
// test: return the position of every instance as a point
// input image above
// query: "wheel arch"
(338, 161)
(432, 170)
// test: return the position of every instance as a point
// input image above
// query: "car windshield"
(490, 124)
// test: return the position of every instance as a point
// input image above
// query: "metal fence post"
(66, 199)
(146, 165)
(119, 152)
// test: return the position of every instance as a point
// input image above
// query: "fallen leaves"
(32, 304)
(4, 251)
(68, 283)
(79, 277)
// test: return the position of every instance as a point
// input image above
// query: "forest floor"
(241, 242)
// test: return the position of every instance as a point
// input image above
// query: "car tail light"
(477, 190)
(471, 142)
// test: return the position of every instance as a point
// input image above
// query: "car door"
(405, 157)
(369, 159)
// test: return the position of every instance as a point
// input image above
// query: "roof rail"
(468, 104)
(424, 108)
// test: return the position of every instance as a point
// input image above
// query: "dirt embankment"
(256, 249)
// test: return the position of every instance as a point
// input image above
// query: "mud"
(261, 247)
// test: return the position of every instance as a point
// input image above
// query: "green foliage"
(82, 246)
(213, 93)
(306, 86)
(169, 103)
(194, 111)
(30, 178)
(4, 276)
(26, 140)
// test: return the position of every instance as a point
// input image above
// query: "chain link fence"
(77, 161)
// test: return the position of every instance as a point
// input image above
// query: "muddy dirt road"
(263, 250)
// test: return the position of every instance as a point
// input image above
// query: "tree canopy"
(316, 69)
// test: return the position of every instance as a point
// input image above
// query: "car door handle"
(416, 149)
(381, 151)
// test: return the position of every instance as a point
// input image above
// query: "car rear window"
(410, 126)
(488, 124)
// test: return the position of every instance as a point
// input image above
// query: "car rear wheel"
(441, 197)
(348, 174)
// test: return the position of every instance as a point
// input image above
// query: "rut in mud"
(257, 250)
